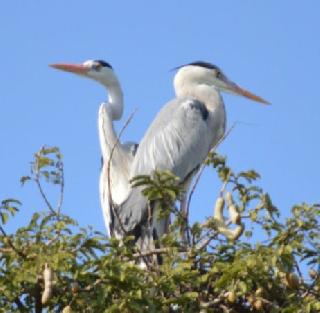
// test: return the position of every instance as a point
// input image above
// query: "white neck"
(115, 99)
(209, 95)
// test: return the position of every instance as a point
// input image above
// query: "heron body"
(179, 139)
(122, 154)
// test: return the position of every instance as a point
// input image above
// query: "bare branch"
(110, 200)
(43, 195)
(61, 169)
(155, 251)
(10, 243)
(90, 287)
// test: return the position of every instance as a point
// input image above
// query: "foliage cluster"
(217, 265)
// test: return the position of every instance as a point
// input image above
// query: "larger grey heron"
(123, 154)
(178, 140)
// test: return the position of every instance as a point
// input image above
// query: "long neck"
(115, 101)
(208, 95)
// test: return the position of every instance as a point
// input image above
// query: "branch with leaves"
(52, 264)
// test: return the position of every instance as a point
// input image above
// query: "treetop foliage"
(54, 265)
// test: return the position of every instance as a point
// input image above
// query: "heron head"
(98, 70)
(203, 73)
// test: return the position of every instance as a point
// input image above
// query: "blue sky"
(268, 47)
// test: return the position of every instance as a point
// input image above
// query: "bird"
(122, 154)
(178, 140)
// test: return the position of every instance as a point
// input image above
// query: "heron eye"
(219, 75)
(97, 67)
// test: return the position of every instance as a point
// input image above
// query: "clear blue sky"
(269, 47)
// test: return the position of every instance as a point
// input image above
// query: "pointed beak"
(72, 68)
(235, 89)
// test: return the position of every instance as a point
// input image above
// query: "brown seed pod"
(218, 209)
(313, 274)
(231, 296)
(259, 292)
(251, 299)
(47, 278)
(233, 212)
(234, 215)
(67, 309)
(292, 280)
(258, 304)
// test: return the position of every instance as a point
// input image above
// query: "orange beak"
(230, 86)
(245, 93)
(72, 68)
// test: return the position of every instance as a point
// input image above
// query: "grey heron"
(178, 140)
(123, 154)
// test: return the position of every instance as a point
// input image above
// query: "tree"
(54, 265)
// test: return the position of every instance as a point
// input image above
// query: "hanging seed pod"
(47, 278)
(251, 299)
(237, 232)
(292, 280)
(231, 234)
(257, 304)
(231, 296)
(67, 309)
(313, 274)
(233, 212)
(218, 209)
(259, 292)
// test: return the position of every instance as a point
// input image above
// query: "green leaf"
(4, 217)
(191, 295)
(24, 179)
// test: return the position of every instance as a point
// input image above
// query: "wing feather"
(178, 140)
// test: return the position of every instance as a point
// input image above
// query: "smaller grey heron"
(178, 140)
(123, 154)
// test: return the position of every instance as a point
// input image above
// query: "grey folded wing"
(177, 141)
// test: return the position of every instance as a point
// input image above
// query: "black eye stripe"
(201, 64)
(104, 63)
(205, 64)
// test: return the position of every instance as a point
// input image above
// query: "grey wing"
(178, 140)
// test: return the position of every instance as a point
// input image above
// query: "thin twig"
(43, 195)
(52, 240)
(59, 205)
(155, 251)
(93, 285)
(10, 243)
(110, 200)
(214, 302)
(298, 269)
(207, 241)
(224, 308)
